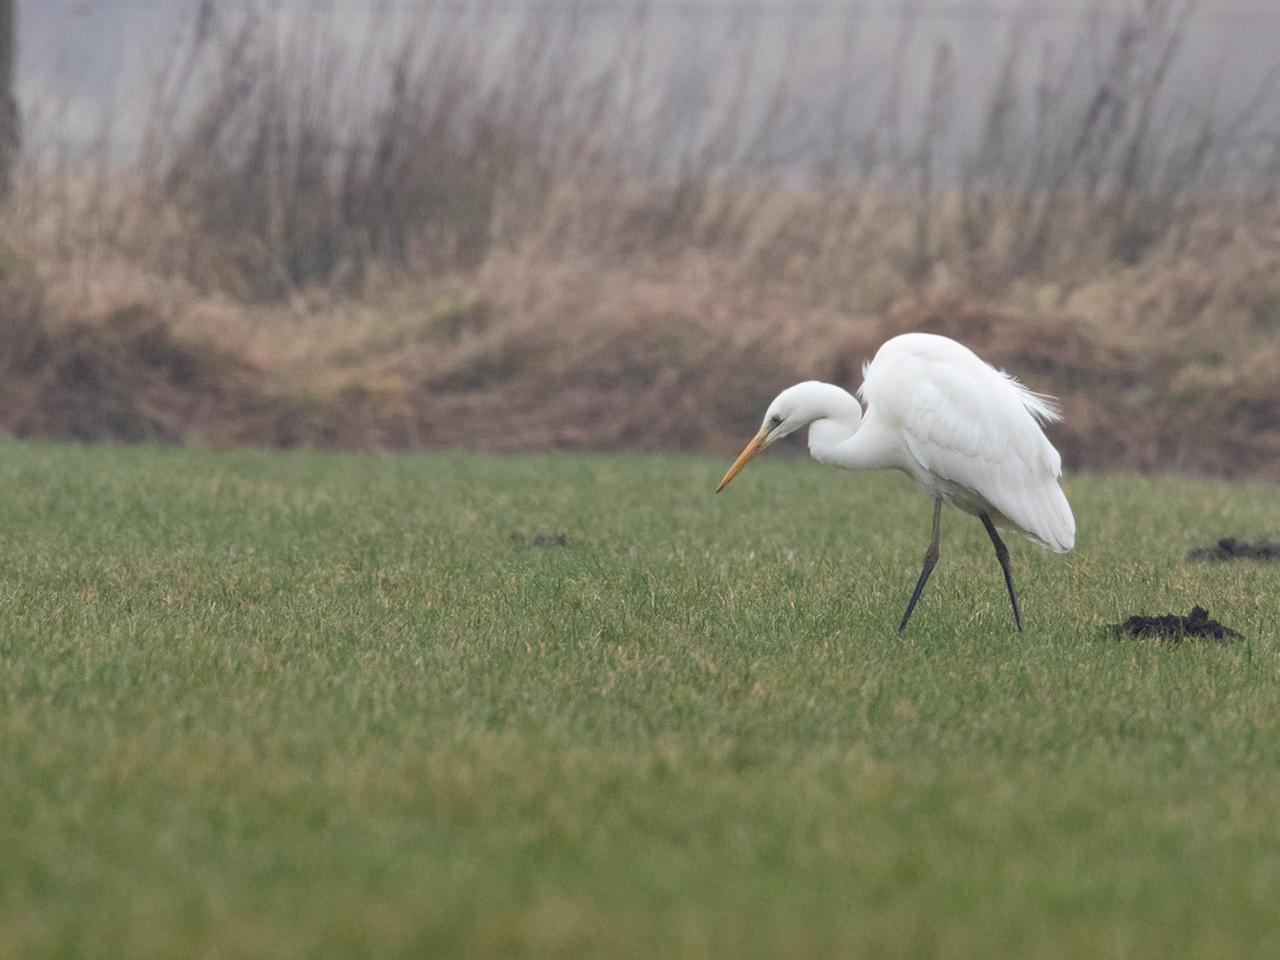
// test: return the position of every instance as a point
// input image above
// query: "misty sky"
(87, 55)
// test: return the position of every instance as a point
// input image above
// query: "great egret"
(967, 432)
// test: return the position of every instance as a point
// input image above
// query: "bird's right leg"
(1002, 554)
(930, 560)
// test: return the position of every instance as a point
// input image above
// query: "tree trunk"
(9, 121)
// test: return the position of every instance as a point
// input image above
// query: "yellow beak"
(754, 447)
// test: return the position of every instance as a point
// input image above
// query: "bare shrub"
(300, 161)
(281, 156)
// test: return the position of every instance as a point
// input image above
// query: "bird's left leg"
(930, 560)
(1002, 554)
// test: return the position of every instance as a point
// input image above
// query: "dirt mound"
(532, 353)
(119, 376)
(1175, 628)
(577, 357)
(1229, 548)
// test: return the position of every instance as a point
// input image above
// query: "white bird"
(967, 432)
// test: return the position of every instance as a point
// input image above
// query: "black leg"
(1002, 554)
(930, 560)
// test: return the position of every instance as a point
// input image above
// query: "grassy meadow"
(314, 705)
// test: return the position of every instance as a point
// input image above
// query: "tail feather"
(1041, 406)
(1041, 511)
(1057, 524)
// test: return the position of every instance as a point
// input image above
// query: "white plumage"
(970, 433)
(967, 432)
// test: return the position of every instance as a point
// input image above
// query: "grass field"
(282, 706)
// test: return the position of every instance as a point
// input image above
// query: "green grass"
(257, 705)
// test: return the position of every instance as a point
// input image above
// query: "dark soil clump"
(1229, 548)
(1176, 628)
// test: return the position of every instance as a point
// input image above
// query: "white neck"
(838, 433)
(852, 443)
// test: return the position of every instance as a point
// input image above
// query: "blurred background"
(618, 224)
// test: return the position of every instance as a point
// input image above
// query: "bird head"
(792, 409)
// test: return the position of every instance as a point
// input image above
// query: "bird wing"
(976, 427)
